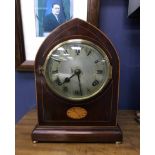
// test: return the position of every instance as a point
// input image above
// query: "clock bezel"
(87, 42)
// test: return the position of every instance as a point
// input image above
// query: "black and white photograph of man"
(53, 19)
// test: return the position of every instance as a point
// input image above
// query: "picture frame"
(21, 63)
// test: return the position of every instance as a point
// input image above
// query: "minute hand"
(79, 84)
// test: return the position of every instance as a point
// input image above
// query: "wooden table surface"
(126, 119)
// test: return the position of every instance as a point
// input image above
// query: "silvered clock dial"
(77, 69)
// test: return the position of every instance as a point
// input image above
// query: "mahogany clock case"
(100, 124)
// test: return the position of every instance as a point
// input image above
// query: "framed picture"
(35, 19)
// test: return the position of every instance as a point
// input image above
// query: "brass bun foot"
(34, 142)
(118, 142)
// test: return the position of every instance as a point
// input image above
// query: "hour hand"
(67, 79)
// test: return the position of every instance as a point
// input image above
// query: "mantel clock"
(77, 84)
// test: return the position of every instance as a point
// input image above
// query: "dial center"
(77, 71)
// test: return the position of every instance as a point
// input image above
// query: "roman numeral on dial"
(54, 71)
(96, 82)
(76, 92)
(58, 82)
(77, 52)
(99, 71)
(96, 61)
(65, 89)
(89, 53)
(65, 51)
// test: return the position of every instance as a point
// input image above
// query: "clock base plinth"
(109, 134)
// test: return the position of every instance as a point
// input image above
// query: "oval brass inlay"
(76, 113)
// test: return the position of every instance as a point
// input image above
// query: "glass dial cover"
(77, 69)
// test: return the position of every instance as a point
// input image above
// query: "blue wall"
(124, 32)
(125, 35)
(25, 93)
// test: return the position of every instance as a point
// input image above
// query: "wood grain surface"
(126, 120)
